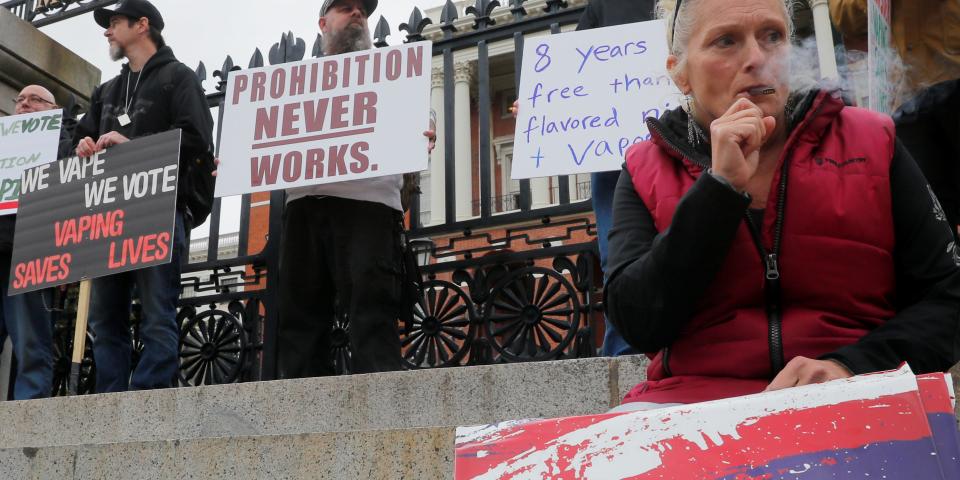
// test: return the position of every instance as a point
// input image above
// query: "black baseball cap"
(135, 9)
(369, 5)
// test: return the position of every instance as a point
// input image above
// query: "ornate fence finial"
(554, 6)
(256, 60)
(288, 49)
(381, 33)
(482, 10)
(201, 72)
(517, 9)
(317, 51)
(224, 72)
(414, 27)
(448, 16)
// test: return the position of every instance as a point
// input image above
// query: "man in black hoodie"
(154, 93)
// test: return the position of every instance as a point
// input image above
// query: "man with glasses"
(27, 317)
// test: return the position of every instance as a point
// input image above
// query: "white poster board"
(584, 97)
(26, 141)
(326, 120)
(879, 55)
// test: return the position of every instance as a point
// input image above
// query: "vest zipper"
(666, 362)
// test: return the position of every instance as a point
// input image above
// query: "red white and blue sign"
(891, 425)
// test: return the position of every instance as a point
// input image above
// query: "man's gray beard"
(117, 53)
(351, 39)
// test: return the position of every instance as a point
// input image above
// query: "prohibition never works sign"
(326, 120)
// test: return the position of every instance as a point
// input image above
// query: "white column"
(464, 148)
(438, 158)
(824, 34)
(539, 192)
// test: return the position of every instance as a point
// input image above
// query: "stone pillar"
(464, 148)
(438, 192)
(824, 34)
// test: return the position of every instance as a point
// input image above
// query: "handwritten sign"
(84, 218)
(326, 120)
(878, 63)
(26, 141)
(584, 97)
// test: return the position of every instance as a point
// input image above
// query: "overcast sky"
(209, 30)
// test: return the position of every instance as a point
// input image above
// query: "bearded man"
(340, 249)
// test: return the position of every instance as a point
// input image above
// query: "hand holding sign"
(325, 120)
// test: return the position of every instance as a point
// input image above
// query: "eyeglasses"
(31, 99)
(673, 29)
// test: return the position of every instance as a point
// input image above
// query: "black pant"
(342, 251)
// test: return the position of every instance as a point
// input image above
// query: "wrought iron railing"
(516, 294)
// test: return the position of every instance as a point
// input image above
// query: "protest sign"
(879, 56)
(584, 97)
(872, 426)
(26, 141)
(82, 218)
(326, 120)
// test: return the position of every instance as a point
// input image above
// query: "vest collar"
(813, 112)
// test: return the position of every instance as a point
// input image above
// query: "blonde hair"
(677, 41)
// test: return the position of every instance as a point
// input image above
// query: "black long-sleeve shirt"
(656, 277)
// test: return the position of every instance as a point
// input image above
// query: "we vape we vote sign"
(26, 141)
(326, 120)
(84, 218)
(584, 97)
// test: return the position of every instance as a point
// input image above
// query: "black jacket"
(167, 96)
(650, 304)
(607, 13)
(929, 126)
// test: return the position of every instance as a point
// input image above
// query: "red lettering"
(361, 161)
(65, 260)
(329, 75)
(264, 170)
(277, 80)
(289, 118)
(298, 79)
(340, 111)
(42, 270)
(292, 166)
(394, 64)
(415, 61)
(365, 108)
(314, 114)
(258, 91)
(163, 249)
(266, 123)
(239, 85)
(315, 163)
(335, 161)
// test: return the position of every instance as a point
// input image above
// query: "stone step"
(413, 454)
(384, 401)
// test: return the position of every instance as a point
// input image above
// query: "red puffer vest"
(831, 281)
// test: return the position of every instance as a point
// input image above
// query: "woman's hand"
(736, 138)
(804, 371)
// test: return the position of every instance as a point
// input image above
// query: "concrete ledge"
(394, 454)
(426, 398)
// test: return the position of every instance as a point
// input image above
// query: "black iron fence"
(526, 292)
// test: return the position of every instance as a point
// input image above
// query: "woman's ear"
(677, 74)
